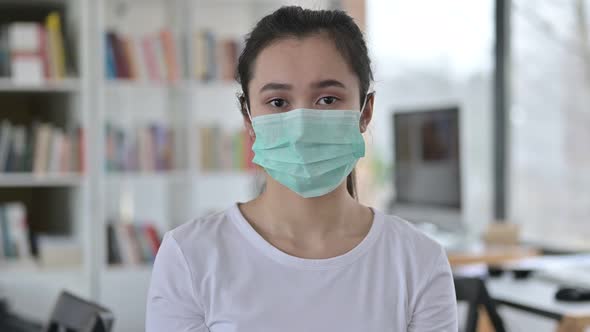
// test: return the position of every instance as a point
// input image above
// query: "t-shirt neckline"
(306, 263)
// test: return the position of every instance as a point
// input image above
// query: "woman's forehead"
(302, 62)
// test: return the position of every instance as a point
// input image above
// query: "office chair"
(73, 314)
(474, 292)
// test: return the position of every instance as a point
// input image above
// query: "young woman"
(305, 255)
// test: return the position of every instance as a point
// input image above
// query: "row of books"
(146, 148)
(132, 243)
(163, 57)
(151, 57)
(214, 58)
(223, 150)
(32, 52)
(41, 148)
(14, 232)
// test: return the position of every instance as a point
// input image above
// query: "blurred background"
(119, 121)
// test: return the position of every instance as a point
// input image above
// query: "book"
(80, 150)
(110, 64)
(26, 69)
(5, 142)
(41, 151)
(114, 251)
(146, 148)
(141, 70)
(160, 58)
(40, 148)
(150, 60)
(199, 56)
(15, 214)
(153, 239)
(56, 49)
(135, 253)
(65, 156)
(4, 52)
(170, 55)
(55, 151)
(124, 243)
(8, 247)
(26, 50)
(144, 246)
(16, 151)
(225, 150)
(229, 59)
(59, 251)
(131, 242)
(130, 58)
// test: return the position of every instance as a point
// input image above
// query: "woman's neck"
(286, 213)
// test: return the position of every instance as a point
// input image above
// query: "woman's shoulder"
(203, 231)
(405, 236)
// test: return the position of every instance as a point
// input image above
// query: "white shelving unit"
(169, 198)
(61, 199)
(39, 180)
(68, 85)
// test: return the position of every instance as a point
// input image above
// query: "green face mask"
(309, 151)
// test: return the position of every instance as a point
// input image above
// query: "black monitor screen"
(427, 162)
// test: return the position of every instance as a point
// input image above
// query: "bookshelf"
(80, 205)
(68, 85)
(32, 180)
(53, 192)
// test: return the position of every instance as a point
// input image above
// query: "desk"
(491, 254)
(537, 296)
(481, 255)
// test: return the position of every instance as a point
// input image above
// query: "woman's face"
(304, 73)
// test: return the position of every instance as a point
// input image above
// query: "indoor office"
(122, 120)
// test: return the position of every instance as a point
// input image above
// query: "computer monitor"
(427, 167)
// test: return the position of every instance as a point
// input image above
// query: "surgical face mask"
(307, 150)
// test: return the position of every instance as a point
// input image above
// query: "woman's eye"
(327, 100)
(278, 102)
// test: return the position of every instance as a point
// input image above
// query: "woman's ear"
(367, 114)
(246, 117)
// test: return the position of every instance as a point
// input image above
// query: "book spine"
(124, 243)
(44, 52)
(170, 56)
(79, 153)
(154, 239)
(53, 26)
(160, 58)
(5, 140)
(16, 217)
(128, 51)
(110, 64)
(2, 252)
(211, 56)
(136, 255)
(4, 228)
(65, 154)
(55, 151)
(146, 251)
(114, 251)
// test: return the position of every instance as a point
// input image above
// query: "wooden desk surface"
(491, 254)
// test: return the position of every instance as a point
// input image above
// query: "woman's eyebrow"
(328, 83)
(276, 86)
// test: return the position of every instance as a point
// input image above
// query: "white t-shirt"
(218, 274)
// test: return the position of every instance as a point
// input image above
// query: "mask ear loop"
(364, 103)
(248, 112)
(249, 116)
(245, 105)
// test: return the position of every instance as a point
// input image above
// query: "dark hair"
(294, 21)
